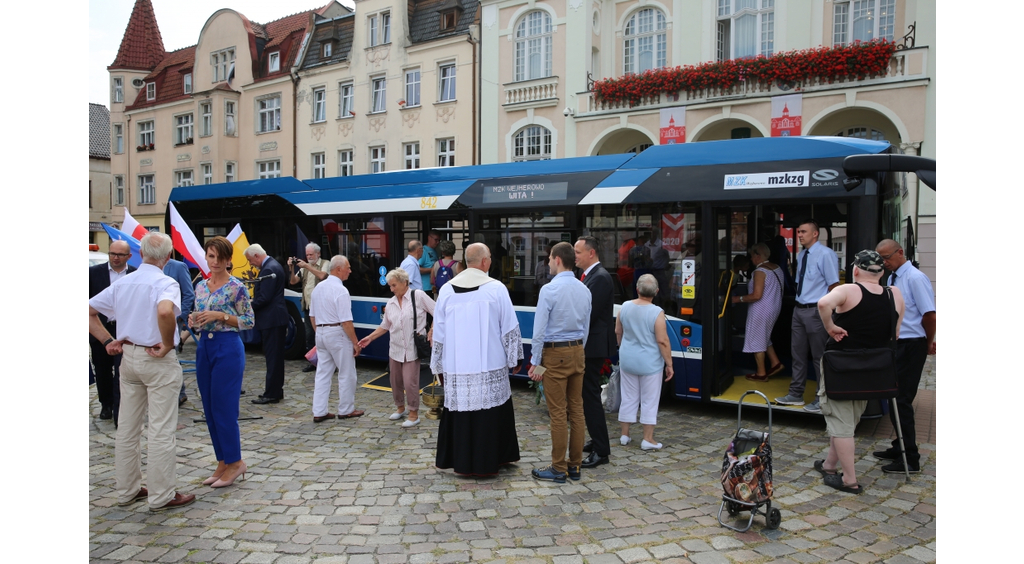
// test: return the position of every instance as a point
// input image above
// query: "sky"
(180, 23)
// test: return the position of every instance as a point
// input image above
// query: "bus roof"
(760, 149)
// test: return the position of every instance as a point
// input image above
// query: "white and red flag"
(185, 242)
(132, 227)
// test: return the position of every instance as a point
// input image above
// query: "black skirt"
(476, 443)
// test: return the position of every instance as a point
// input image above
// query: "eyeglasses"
(890, 255)
(119, 255)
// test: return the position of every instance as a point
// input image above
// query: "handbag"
(862, 374)
(421, 342)
(611, 395)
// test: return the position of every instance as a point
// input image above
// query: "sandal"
(776, 369)
(836, 481)
(819, 465)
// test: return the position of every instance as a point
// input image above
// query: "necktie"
(803, 271)
(583, 277)
(892, 279)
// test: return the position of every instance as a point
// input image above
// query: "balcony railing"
(532, 91)
(905, 65)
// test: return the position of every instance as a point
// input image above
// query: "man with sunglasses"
(916, 342)
(105, 366)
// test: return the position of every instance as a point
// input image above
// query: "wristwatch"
(226, 317)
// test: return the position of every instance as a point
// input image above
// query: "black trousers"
(107, 370)
(593, 410)
(911, 355)
(310, 334)
(273, 350)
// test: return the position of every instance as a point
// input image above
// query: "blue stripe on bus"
(631, 177)
(753, 150)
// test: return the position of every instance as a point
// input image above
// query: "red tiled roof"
(142, 47)
(169, 76)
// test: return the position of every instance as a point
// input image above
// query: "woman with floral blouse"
(221, 310)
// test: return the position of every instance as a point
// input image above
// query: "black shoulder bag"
(422, 344)
(862, 374)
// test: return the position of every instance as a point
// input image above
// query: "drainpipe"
(477, 81)
(295, 122)
(128, 161)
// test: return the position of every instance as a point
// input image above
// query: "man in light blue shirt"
(428, 258)
(560, 330)
(411, 264)
(817, 272)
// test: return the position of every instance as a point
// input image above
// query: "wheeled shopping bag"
(747, 473)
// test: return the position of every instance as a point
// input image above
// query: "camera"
(292, 261)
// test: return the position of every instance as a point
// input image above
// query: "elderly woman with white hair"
(404, 364)
(644, 355)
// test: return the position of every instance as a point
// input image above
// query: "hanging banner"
(673, 230)
(787, 115)
(673, 126)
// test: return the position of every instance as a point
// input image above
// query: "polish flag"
(185, 242)
(132, 227)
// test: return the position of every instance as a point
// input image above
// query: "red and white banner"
(673, 230)
(132, 227)
(673, 126)
(787, 115)
(185, 242)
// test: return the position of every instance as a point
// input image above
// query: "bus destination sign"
(520, 193)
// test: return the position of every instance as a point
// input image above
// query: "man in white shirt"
(330, 311)
(145, 306)
(411, 264)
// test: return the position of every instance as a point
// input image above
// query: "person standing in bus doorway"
(271, 320)
(916, 342)
(427, 260)
(559, 336)
(411, 264)
(600, 346)
(311, 272)
(336, 343)
(817, 268)
(107, 367)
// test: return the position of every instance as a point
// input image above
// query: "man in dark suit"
(106, 367)
(271, 319)
(600, 346)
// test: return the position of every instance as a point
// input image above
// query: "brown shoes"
(143, 494)
(356, 413)
(178, 501)
(323, 418)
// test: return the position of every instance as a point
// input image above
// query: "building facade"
(100, 183)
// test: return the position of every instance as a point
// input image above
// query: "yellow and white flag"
(240, 267)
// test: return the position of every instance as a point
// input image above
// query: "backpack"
(444, 274)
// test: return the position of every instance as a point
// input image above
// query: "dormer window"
(379, 28)
(326, 48)
(150, 91)
(188, 83)
(274, 62)
(223, 63)
(448, 20)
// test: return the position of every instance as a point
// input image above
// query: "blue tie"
(803, 271)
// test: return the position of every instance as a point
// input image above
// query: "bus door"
(728, 248)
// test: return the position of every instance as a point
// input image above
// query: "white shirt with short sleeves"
(132, 301)
(330, 302)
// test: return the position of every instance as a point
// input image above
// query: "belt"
(800, 305)
(914, 339)
(127, 342)
(561, 344)
(328, 325)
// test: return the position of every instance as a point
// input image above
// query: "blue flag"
(133, 243)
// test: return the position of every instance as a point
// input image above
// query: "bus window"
(519, 244)
(364, 241)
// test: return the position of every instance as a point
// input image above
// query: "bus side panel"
(367, 314)
(686, 339)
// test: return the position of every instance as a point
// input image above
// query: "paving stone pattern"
(365, 490)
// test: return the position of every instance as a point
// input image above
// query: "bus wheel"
(295, 335)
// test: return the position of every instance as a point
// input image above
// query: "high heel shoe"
(211, 480)
(222, 483)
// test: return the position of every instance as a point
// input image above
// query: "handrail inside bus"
(732, 276)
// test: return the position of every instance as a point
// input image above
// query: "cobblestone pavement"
(365, 491)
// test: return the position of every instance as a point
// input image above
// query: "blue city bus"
(682, 213)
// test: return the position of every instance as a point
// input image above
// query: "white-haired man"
(145, 306)
(271, 320)
(311, 272)
(336, 343)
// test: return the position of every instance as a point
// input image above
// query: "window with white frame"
(377, 159)
(206, 127)
(118, 190)
(319, 165)
(379, 94)
(532, 143)
(183, 178)
(146, 134)
(448, 20)
(268, 116)
(345, 100)
(150, 91)
(274, 62)
(446, 76)
(268, 169)
(229, 117)
(863, 20)
(745, 28)
(118, 138)
(222, 61)
(183, 129)
(345, 162)
(446, 152)
(207, 170)
(188, 83)
(147, 189)
(229, 172)
(644, 41)
(118, 90)
(412, 155)
(326, 48)
(533, 46)
(319, 104)
(379, 28)
(412, 88)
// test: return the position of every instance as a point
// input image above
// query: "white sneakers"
(396, 416)
(411, 423)
(624, 440)
(650, 446)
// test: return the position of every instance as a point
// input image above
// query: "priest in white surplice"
(476, 343)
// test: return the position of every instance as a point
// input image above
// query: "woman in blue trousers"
(221, 309)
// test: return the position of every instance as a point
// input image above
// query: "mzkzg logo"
(791, 179)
